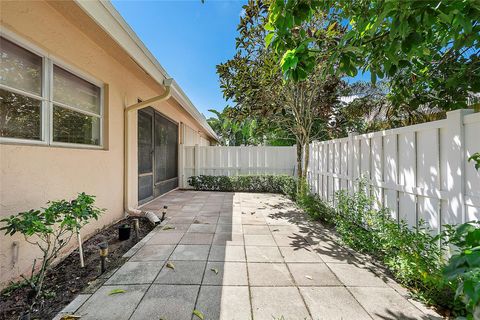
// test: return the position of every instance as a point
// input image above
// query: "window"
(76, 109)
(43, 102)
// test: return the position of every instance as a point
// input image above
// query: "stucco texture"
(31, 175)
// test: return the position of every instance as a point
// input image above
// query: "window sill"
(33, 143)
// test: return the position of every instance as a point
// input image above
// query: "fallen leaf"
(252, 213)
(168, 228)
(309, 278)
(215, 270)
(116, 291)
(70, 317)
(275, 230)
(170, 265)
(199, 314)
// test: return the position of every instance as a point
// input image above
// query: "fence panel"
(419, 172)
(232, 161)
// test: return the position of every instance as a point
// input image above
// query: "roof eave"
(104, 14)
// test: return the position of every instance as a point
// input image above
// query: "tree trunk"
(299, 160)
(306, 159)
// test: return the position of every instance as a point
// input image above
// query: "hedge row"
(282, 184)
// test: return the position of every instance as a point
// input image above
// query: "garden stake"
(103, 256)
(164, 212)
(80, 248)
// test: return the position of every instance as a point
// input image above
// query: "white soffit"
(110, 20)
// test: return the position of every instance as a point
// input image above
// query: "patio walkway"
(243, 256)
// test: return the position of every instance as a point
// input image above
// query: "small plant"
(50, 229)
(464, 267)
(476, 159)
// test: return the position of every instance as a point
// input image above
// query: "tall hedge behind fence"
(418, 172)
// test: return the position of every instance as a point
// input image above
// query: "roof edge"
(110, 20)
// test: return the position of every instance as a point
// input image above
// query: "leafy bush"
(464, 267)
(316, 208)
(282, 184)
(52, 229)
(414, 257)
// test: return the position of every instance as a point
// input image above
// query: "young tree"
(253, 81)
(51, 229)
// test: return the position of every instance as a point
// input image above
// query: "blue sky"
(189, 39)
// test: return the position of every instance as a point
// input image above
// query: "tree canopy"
(428, 49)
(253, 80)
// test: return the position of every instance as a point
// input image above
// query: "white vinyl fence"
(232, 161)
(418, 172)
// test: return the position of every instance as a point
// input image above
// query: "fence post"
(350, 161)
(181, 166)
(454, 164)
(196, 160)
(312, 165)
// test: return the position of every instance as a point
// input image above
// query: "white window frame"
(46, 98)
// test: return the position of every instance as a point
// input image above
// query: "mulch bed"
(67, 279)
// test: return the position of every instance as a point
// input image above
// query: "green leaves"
(265, 183)
(289, 60)
(116, 291)
(441, 39)
(199, 314)
(53, 228)
(475, 158)
(69, 215)
(464, 267)
(413, 256)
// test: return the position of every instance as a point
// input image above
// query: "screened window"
(76, 109)
(20, 92)
(62, 109)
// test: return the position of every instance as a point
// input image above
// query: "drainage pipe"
(129, 210)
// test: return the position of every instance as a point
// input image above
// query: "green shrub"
(463, 268)
(282, 184)
(414, 256)
(316, 208)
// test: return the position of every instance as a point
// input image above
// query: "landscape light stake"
(164, 212)
(136, 226)
(103, 256)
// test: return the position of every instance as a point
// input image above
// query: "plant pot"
(124, 232)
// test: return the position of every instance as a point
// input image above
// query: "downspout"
(129, 210)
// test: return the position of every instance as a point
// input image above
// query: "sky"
(189, 39)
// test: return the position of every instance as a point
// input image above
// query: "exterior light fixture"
(136, 226)
(103, 256)
(164, 213)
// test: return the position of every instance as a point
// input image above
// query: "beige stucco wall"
(32, 175)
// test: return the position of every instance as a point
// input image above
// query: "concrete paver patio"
(243, 256)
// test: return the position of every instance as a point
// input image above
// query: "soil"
(67, 279)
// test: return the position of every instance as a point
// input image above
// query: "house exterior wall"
(31, 175)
